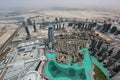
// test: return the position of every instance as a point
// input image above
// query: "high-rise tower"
(50, 33)
(113, 29)
(26, 29)
(34, 26)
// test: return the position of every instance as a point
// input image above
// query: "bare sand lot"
(80, 14)
(7, 32)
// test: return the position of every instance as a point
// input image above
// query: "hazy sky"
(59, 3)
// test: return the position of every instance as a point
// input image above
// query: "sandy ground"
(79, 14)
(10, 28)
(82, 14)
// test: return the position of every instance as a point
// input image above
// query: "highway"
(9, 40)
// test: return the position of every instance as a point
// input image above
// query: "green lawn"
(99, 75)
(81, 30)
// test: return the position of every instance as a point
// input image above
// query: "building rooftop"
(25, 57)
(32, 75)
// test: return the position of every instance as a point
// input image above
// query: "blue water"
(56, 71)
(8, 13)
(19, 19)
(50, 55)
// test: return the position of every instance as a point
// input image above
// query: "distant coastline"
(19, 19)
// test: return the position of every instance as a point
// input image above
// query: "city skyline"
(59, 39)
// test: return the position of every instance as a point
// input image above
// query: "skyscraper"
(110, 62)
(99, 26)
(117, 67)
(103, 27)
(54, 27)
(29, 22)
(94, 42)
(94, 52)
(103, 49)
(99, 44)
(117, 32)
(104, 56)
(113, 29)
(50, 33)
(110, 51)
(108, 27)
(117, 56)
(34, 26)
(26, 28)
(63, 26)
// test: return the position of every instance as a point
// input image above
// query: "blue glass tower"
(50, 33)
